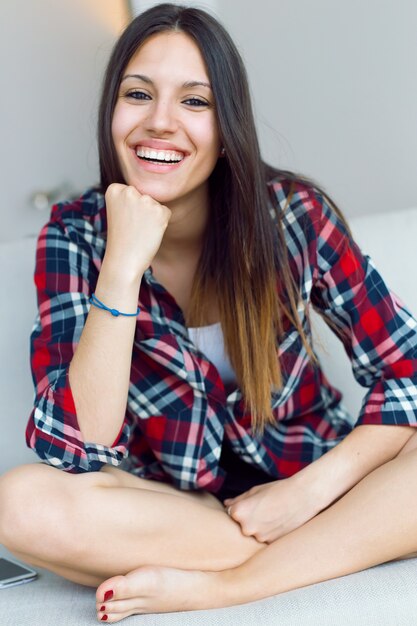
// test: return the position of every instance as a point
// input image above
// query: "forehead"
(171, 53)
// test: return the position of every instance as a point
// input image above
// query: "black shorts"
(240, 476)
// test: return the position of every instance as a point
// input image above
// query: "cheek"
(204, 134)
(115, 133)
(209, 141)
(122, 124)
(215, 140)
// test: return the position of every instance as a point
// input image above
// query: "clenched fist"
(135, 227)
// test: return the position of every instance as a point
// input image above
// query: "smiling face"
(164, 125)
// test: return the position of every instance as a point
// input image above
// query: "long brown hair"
(243, 256)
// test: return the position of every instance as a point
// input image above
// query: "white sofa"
(383, 595)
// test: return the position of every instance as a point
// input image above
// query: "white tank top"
(209, 340)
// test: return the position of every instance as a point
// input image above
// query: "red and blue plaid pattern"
(178, 410)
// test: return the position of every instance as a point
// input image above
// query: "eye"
(137, 95)
(196, 102)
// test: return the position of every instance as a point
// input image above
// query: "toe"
(111, 589)
(108, 618)
(133, 593)
(135, 583)
(131, 606)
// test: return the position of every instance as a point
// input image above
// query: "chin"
(154, 191)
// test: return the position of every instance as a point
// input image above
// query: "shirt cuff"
(57, 438)
(391, 401)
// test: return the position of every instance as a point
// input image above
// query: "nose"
(161, 118)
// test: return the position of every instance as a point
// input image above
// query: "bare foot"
(150, 589)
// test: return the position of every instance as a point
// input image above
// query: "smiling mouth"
(161, 157)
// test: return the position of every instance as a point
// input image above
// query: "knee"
(41, 507)
(20, 504)
(32, 508)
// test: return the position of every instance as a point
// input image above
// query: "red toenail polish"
(102, 608)
(108, 595)
(104, 618)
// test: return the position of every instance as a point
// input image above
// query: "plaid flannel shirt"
(178, 411)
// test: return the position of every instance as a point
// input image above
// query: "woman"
(224, 256)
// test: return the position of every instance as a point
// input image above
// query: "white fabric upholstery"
(381, 596)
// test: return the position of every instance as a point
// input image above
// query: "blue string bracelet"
(100, 305)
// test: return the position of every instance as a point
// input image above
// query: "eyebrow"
(187, 85)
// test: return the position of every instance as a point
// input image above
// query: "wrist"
(316, 486)
(117, 290)
(123, 264)
(121, 275)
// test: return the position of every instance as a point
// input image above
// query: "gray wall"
(335, 91)
(53, 56)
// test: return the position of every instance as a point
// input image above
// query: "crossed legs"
(374, 522)
(88, 527)
(94, 526)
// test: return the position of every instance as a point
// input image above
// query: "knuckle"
(246, 530)
(239, 508)
(112, 189)
(131, 191)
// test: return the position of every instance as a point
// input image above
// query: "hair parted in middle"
(244, 256)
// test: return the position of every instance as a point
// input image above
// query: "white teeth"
(159, 155)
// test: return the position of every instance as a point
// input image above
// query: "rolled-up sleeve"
(378, 331)
(64, 274)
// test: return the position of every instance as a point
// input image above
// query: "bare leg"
(94, 526)
(81, 578)
(375, 522)
(125, 479)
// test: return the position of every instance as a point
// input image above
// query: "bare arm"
(361, 451)
(100, 368)
(274, 509)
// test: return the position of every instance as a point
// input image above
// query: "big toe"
(115, 588)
